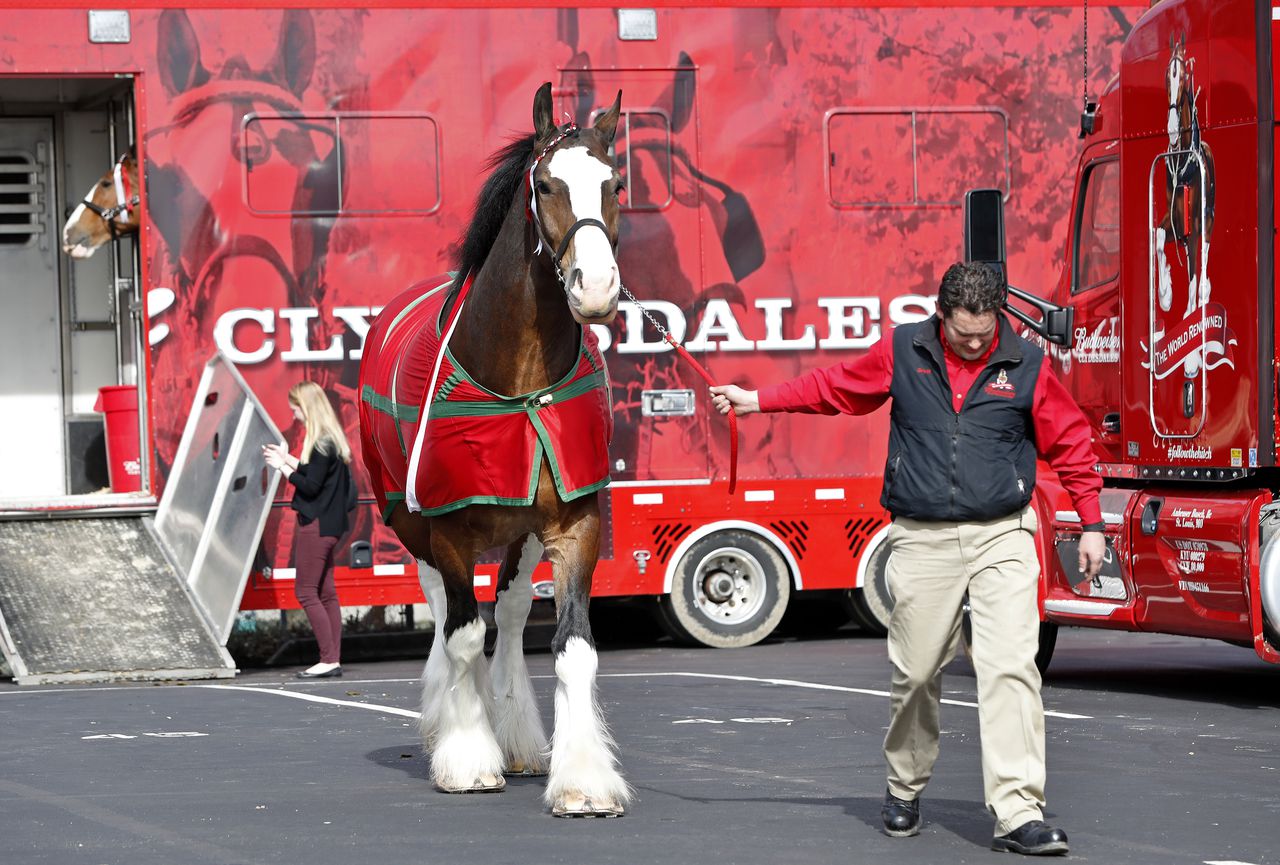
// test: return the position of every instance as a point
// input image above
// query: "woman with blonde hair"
(324, 494)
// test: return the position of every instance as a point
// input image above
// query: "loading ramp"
(107, 596)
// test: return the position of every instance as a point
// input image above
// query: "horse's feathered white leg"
(517, 723)
(435, 675)
(584, 767)
(465, 756)
(1165, 274)
(1205, 287)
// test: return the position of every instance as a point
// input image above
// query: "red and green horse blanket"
(438, 440)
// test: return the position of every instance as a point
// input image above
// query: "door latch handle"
(1151, 516)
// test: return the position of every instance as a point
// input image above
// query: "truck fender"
(767, 536)
(1269, 581)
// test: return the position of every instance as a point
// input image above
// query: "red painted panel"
(1192, 574)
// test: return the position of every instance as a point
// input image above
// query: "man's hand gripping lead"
(730, 396)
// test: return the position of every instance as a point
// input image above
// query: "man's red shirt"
(861, 386)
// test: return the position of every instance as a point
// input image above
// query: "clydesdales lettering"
(251, 335)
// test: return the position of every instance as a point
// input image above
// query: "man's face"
(969, 335)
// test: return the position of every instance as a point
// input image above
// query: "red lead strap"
(733, 418)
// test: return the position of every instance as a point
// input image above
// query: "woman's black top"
(323, 490)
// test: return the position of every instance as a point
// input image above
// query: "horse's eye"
(105, 184)
(543, 187)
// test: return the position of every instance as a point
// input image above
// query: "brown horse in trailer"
(485, 421)
(108, 210)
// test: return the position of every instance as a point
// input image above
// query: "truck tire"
(730, 590)
(1044, 654)
(871, 605)
(815, 614)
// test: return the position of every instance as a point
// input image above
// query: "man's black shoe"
(901, 817)
(1034, 838)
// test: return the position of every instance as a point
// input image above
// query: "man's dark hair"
(971, 285)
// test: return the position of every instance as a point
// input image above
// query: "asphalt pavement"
(1161, 750)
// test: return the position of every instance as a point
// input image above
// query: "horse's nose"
(75, 241)
(595, 295)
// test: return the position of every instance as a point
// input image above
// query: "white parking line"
(392, 710)
(813, 686)
(312, 698)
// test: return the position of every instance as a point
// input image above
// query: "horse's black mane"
(509, 166)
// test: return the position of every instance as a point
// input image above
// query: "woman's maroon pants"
(314, 589)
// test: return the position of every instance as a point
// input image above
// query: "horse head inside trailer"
(110, 209)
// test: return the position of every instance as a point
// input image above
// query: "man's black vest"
(979, 464)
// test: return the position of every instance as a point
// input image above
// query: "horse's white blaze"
(465, 749)
(583, 759)
(586, 176)
(435, 675)
(517, 722)
(71, 244)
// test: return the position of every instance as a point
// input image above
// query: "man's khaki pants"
(931, 566)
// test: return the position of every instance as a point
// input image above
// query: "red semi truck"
(795, 180)
(1169, 274)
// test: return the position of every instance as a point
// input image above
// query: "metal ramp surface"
(96, 599)
(114, 597)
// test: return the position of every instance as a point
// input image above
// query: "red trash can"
(119, 407)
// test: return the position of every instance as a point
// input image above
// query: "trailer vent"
(794, 533)
(20, 207)
(666, 536)
(859, 532)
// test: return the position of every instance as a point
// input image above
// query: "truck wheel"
(1044, 654)
(815, 614)
(1048, 640)
(730, 590)
(871, 605)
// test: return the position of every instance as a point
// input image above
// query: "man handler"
(972, 404)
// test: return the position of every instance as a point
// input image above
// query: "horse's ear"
(296, 51)
(179, 53)
(607, 124)
(544, 125)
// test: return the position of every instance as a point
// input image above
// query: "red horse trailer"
(795, 176)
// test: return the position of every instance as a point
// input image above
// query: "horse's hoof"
(522, 769)
(577, 805)
(484, 783)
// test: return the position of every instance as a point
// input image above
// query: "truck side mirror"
(984, 242)
(1056, 323)
(984, 228)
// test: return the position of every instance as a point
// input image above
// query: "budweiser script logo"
(1101, 345)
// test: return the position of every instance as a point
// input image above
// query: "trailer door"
(31, 437)
(1091, 371)
(660, 405)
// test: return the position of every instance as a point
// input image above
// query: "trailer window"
(390, 163)
(642, 147)
(20, 207)
(1097, 252)
(349, 164)
(914, 157)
